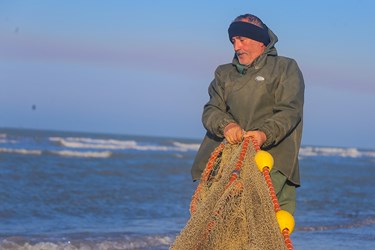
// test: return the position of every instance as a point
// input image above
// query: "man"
(260, 94)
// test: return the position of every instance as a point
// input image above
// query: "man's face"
(247, 49)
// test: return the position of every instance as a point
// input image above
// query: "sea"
(75, 190)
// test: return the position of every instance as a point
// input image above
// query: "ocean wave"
(354, 224)
(332, 151)
(145, 242)
(67, 153)
(77, 142)
(187, 146)
(5, 141)
(111, 144)
(20, 151)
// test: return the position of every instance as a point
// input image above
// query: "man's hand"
(259, 136)
(233, 133)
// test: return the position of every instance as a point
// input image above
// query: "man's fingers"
(248, 134)
(259, 136)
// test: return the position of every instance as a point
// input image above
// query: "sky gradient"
(143, 67)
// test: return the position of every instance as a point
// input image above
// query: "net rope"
(231, 207)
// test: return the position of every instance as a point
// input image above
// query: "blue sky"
(143, 67)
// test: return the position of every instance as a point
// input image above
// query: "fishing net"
(231, 208)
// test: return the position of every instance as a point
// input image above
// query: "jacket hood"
(270, 49)
(261, 60)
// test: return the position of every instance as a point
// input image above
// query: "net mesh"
(231, 213)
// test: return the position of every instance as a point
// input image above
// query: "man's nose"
(236, 45)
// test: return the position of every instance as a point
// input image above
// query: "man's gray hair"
(250, 19)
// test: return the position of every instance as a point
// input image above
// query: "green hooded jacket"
(267, 95)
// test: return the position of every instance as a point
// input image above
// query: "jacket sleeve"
(215, 116)
(288, 108)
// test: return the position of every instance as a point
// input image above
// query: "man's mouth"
(240, 53)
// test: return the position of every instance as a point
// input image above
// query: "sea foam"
(104, 154)
(145, 242)
(334, 151)
(111, 144)
(20, 151)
